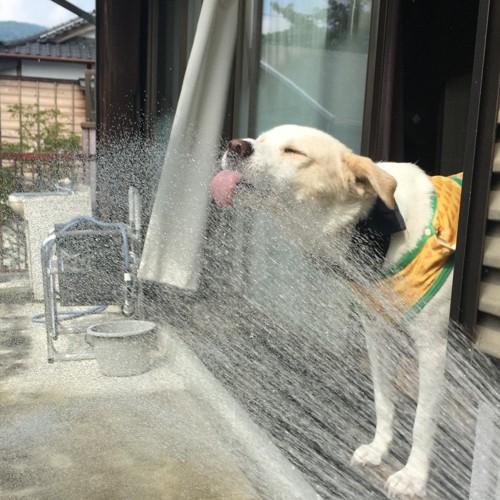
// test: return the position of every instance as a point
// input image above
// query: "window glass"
(313, 65)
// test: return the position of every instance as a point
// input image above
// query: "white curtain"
(173, 245)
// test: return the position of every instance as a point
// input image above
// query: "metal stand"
(88, 262)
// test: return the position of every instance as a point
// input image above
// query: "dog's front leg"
(382, 377)
(412, 479)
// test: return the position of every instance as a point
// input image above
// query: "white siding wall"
(33, 68)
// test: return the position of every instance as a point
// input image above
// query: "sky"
(44, 12)
(302, 6)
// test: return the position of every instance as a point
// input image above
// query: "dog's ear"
(367, 178)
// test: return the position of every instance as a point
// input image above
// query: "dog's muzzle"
(225, 184)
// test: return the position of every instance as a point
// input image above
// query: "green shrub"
(40, 131)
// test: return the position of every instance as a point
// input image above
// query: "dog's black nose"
(239, 147)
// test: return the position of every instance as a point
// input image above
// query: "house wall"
(36, 68)
(32, 68)
(68, 97)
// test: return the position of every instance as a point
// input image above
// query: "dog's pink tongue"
(223, 187)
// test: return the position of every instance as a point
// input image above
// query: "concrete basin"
(17, 201)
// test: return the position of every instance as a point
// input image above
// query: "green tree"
(6, 187)
(40, 131)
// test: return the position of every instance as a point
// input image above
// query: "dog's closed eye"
(290, 150)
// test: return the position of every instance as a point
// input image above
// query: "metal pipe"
(51, 326)
(76, 10)
(134, 212)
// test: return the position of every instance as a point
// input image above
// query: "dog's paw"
(368, 454)
(406, 483)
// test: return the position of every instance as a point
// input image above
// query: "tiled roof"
(63, 41)
(61, 29)
(77, 48)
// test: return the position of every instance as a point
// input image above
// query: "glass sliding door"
(313, 65)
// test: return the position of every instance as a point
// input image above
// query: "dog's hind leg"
(382, 377)
(412, 479)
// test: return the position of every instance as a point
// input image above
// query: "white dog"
(321, 191)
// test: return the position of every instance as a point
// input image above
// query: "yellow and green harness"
(420, 273)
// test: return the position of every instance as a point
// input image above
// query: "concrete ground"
(69, 432)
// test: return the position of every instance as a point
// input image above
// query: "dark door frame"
(382, 53)
(480, 142)
(120, 87)
(379, 129)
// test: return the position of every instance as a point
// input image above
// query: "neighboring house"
(53, 69)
